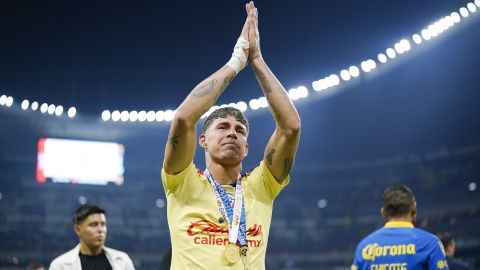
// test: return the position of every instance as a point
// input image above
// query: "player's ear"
(202, 141)
(384, 213)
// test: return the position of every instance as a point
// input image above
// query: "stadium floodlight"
(405, 45)
(391, 53)
(9, 101)
(59, 110)
(254, 104)
(262, 101)
(160, 116)
(169, 115)
(417, 39)
(471, 7)
(242, 106)
(365, 66)
(382, 58)
(3, 100)
(106, 115)
(345, 75)
(399, 48)
(44, 108)
(51, 109)
(319, 85)
(464, 12)
(477, 2)
(449, 21)
(455, 17)
(373, 64)
(34, 106)
(302, 91)
(293, 94)
(25, 104)
(133, 116)
(72, 112)
(426, 34)
(142, 116)
(334, 80)
(150, 116)
(433, 30)
(115, 116)
(354, 71)
(124, 116)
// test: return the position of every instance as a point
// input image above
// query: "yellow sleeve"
(262, 179)
(173, 182)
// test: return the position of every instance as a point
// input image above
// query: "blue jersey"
(400, 246)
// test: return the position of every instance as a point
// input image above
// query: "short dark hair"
(84, 211)
(397, 201)
(446, 238)
(223, 113)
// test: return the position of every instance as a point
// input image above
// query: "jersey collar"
(398, 224)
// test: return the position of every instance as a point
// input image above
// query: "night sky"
(148, 55)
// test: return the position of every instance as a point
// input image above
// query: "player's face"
(92, 231)
(226, 140)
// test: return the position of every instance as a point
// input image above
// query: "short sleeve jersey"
(198, 231)
(399, 245)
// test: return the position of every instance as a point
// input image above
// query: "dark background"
(414, 120)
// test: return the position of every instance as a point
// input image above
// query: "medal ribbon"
(237, 230)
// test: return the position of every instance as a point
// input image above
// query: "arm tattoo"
(226, 82)
(204, 89)
(287, 166)
(173, 141)
(269, 155)
(262, 79)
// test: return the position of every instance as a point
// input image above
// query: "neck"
(404, 219)
(86, 250)
(224, 175)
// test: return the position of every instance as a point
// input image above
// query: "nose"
(232, 133)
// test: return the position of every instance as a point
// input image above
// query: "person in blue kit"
(399, 245)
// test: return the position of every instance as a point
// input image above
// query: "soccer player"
(399, 245)
(220, 218)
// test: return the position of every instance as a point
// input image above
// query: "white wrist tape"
(239, 58)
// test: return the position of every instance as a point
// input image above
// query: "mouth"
(231, 144)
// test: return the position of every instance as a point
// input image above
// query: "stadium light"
(59, 110)
(25, 104)
(115, 116)
(34, 106)
(133, 116)
(72, 112)
(354, 72)
(382, 58)
(106, 115)
(464, 12)
(160, 116)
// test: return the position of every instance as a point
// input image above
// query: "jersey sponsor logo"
(372, 251)
(205, 232)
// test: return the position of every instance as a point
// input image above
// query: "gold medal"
(232, 253)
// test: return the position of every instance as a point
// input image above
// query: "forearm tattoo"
(204, 89)
(226, 82)
(269, 155)
(173, 141)
(287, 167)
(262, 78)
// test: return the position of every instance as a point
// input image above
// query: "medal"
(232, 253)
(235, 217)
